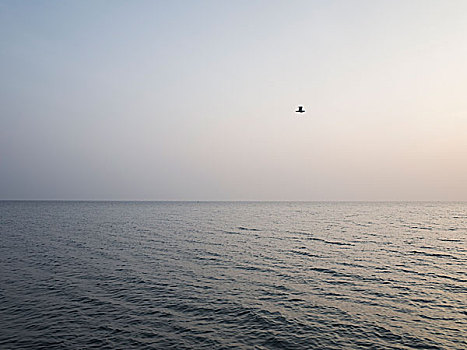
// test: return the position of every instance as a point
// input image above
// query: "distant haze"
(195, 100)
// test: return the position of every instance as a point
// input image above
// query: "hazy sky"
(194, 100)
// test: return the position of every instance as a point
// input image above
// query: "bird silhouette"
(300, 110)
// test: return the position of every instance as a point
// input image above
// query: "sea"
(233, 275)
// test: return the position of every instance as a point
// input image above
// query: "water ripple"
(150, 275)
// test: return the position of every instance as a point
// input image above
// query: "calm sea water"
(124, 275)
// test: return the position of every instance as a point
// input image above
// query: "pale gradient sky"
(194, 100)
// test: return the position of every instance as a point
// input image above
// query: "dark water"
(233, 275)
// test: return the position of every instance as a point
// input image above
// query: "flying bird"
(300, 110)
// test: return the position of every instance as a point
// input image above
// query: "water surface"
(229, 275)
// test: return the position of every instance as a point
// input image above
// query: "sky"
(195, 100)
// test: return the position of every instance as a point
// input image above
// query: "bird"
(300, 110)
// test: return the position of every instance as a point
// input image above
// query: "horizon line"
(236, 200)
